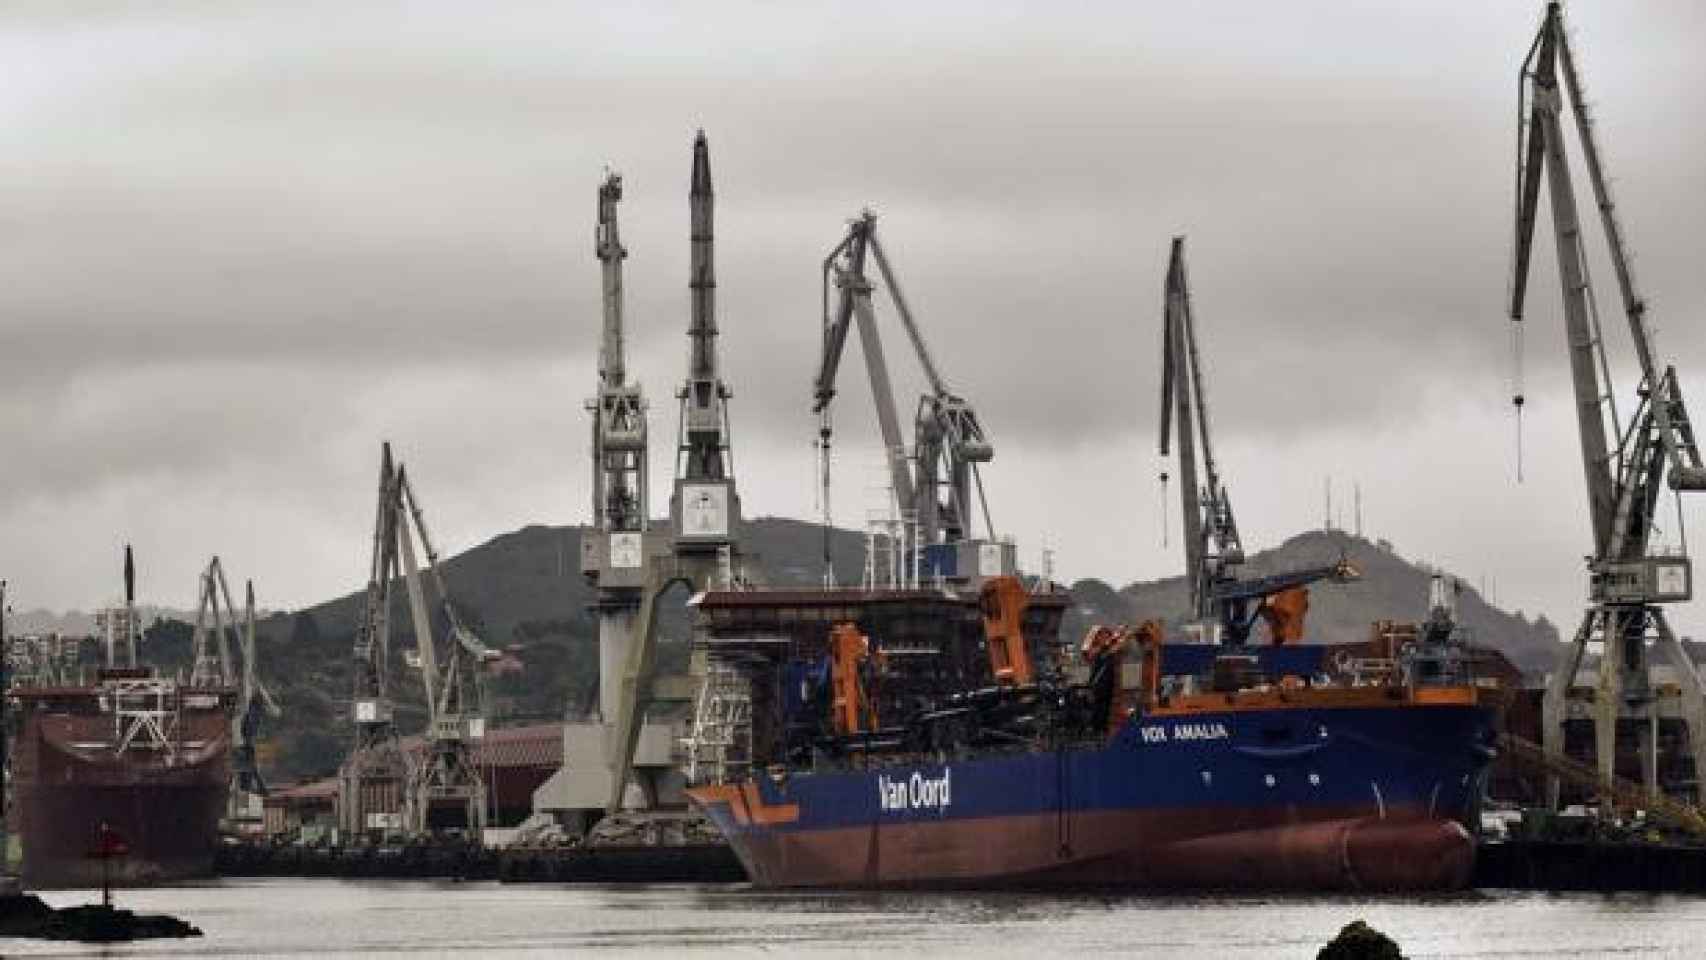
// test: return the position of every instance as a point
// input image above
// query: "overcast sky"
(246, 242)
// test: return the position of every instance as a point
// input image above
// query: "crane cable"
(1517, 398)
(1163, 478)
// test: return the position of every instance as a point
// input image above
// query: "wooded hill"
(523, 592)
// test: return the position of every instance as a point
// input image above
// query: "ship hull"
(169, 832)
(1293, 799)
(161, 802)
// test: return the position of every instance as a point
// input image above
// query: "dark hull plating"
(164, 804)
(1370, 798)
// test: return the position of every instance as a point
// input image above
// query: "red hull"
(164, 803)
(1185, 849)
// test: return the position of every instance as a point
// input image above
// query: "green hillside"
(523, 592)
(1391, 588)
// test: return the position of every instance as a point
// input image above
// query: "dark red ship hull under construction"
(156, 776)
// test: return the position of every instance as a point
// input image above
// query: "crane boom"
(1212, 543)
(1213, 548)
(607, 245)
(846, 266)
(705, 451)
(949, 440)
(619, 485)
(1624, 463)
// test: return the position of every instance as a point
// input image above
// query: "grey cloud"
(255, 238)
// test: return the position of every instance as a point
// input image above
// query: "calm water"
(295, 918)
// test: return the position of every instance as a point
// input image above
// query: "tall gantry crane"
(937, 484)
(1213, 549)
(382, 787)
(614, 552)
(705, 520)
(1624, 461)
(373, 775)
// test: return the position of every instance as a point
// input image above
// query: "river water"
(332, 918)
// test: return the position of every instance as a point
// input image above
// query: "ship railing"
(1366, 671)
(722, 723)
(145, 714)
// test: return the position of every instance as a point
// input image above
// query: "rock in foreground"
(1359, 941)
(27, 916)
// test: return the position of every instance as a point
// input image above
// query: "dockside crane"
(935, 485)
(1214, 551)
(254, 703)
(213, 665)
(372, 776)
(1625, 462)
(702, 548)
(450, 679)
(614, 553)
(382, 788)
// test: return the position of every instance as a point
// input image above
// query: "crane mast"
(254, 701)
(371, 776)
(703, 543)
(1213, 548)
(382, 789)
(704, 508)
(704, 448)
(1624, 462)
(1212, 545)
(937, 486)
(619, 411)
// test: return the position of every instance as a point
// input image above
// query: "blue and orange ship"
(916, 738)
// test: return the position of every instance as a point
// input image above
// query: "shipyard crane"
(937, 487)
(371, 777)
(254, 702)
(703, 541)
(614, 552)
(1213, 549)
(211, 664)
(1625, 461)
(382, 788)
(450, 679)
